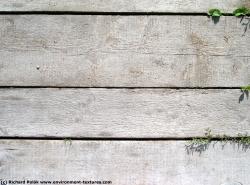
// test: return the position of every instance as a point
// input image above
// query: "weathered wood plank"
(147, 51)
(179, 6)
(123, 162)
(140, 113)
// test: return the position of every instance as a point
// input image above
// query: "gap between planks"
(99, 87)
(112, 138)
(107, 13)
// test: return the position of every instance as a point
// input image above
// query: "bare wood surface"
(124, 162)
(123, 51)
(116, 113)
(177, 6)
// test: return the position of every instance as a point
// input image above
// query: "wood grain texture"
(124, 162)
(177, 6)
(127, 51)
(112, 113)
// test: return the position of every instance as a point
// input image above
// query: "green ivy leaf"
(241, 11)
(238, 14)
(215, 13)
(246, 88)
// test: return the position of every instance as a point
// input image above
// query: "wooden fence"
(114, 90)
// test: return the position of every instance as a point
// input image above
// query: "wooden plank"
(123, 51)
(123, 162)
(178, 6)
(133, 113)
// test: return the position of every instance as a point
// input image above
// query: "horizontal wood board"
(167, 6)
(118, 113)
(123, 51)
(124, 162)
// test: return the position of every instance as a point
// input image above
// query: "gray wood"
(127, 51)
(124, 162)
(197, 6)
(122, 112)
